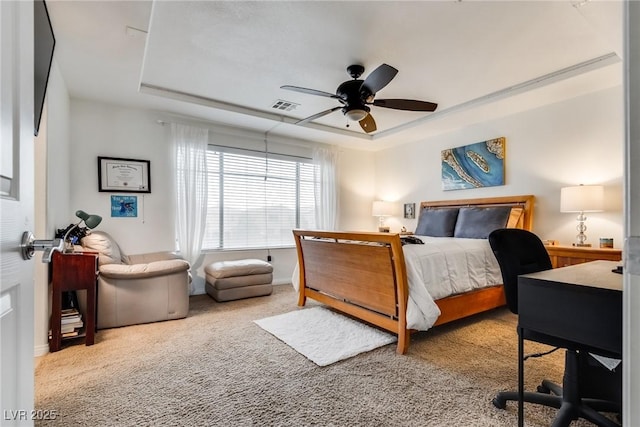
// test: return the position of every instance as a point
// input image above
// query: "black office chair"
(522, 252)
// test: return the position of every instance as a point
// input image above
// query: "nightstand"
(562, 256)
(71, 272)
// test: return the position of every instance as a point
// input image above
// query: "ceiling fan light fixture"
(356, 114)
(354, 96)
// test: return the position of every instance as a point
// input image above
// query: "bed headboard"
(522, 207)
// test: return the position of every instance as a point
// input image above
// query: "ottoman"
(232, 280)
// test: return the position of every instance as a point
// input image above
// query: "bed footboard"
(361, 274)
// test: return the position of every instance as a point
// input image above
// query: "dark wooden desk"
(70, 272)
(580, 305)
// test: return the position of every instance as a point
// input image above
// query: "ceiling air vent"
(283, 105)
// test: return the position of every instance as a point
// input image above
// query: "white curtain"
(190, 145)
(326, 191)
(325, 161)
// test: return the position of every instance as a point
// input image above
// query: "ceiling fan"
(356, 95)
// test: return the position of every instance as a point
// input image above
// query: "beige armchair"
(137, 288)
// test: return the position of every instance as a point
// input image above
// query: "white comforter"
(445, 266)
(441, 267)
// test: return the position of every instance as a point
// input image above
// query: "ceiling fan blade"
(379, 78)
(405, 104)
(318, 115)
(368, 124)
(310, 91)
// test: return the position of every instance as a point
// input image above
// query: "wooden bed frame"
(363, 274)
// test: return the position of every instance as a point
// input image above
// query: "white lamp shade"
(382, 208)
(582, 198)
(356, 114)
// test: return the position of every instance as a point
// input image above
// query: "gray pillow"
(477, 223)
(437, 222)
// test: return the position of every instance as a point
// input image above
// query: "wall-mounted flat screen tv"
(43, 45)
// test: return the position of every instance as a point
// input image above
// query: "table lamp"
(91, 221)
(582, 198)
(382, 209)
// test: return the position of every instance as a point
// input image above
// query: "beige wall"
(356, 175)
(578, 141)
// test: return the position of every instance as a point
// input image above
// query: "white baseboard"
(41, 350)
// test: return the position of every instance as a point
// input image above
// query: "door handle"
(29, 245)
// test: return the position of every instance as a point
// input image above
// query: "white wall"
(41, 270)
(99, 129)
(579, 141)
(59, 169)
(112, 131)
(572, 142)
(52, 192)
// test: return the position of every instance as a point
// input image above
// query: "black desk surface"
(581, 304)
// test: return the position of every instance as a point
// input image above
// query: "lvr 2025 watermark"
(29, 414)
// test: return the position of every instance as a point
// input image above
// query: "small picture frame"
(409, 210)
(124, 175)
(124, 206)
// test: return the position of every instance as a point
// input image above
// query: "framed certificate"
(124, 175)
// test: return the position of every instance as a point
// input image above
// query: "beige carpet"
(218, 368)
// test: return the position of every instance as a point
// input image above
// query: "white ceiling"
(224, 61)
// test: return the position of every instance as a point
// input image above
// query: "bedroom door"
(16, 212)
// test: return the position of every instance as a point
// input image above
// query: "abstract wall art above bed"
(474, 165)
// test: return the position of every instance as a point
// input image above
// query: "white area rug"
(323, 336)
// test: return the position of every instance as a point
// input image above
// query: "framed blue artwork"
(124, 206)
(473, 166)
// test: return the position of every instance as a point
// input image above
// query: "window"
(256, 200)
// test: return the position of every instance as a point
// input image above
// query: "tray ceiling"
(224, 62)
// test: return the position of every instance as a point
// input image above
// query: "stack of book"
(71, 323)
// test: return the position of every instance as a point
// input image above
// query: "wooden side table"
(562, 256)
(71, 272)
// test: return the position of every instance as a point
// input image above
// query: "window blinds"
(257, 198)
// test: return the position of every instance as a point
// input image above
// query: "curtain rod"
(266, 133)
(260, 151)
(254, 135)
(162, 123)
